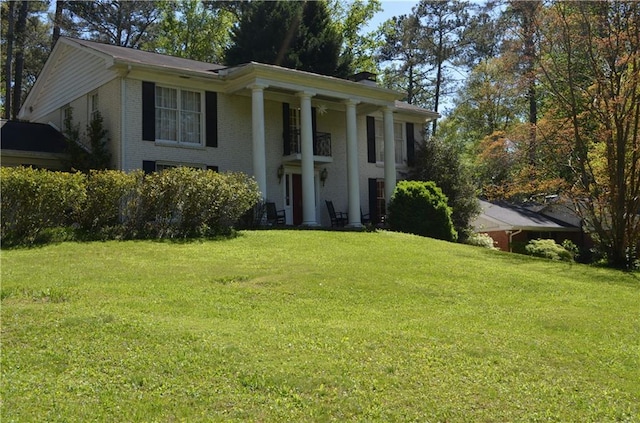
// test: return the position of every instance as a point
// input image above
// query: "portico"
(303, 90)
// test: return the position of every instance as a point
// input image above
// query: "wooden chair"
(338, 219)
(274, 216)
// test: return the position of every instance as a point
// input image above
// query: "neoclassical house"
(306, 138)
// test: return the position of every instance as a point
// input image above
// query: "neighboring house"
(32, 144)
(512, 227)
(306, 138)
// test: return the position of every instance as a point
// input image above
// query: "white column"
(306, 141)
(389, 155)
(257, 127)
(353, 178)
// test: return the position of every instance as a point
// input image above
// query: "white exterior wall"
(71, 77)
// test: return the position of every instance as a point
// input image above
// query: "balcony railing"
(321, 143)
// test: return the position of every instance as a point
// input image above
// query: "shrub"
(42, 206)
(185, 202)
(481, 240)
(108, 194)
(547, 248)
(35, 199)
(421, 208)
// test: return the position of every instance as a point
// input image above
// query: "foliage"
(91, 153)
(421, 208)
(121, 23)
(184, 202)
(35, 199)
(31, 42)
(109, 193)
(308, 326)
(548, 248)
(176, 203)
(591, 67)
(349, 18)
(296, 35)
(442, 163)
(190, 29)
(481, 240)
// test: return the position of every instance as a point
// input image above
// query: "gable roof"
(141, 57)
(35, 137)
(116, 60)
(505, 216)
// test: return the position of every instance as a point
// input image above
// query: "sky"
(390, 8)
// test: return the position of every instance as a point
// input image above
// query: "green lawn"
(314, 326)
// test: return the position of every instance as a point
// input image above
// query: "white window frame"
(179, 142)
(94, 101)
(399, 141)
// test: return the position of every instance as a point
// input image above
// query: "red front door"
(296, 183)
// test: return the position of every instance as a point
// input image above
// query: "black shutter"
(214, 168)
(286, 130)
(371, 139)
(374, 213)
(411, 145)
(148, 111)
(211, 118)
(148, 166)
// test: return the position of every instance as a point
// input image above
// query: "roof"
(508, 216)
(135, 56)
(27, 136)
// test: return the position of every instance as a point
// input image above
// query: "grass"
(314, 326)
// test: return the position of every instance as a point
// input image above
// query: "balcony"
(321, 147)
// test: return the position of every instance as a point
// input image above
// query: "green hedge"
(180, 202)
(421, 208)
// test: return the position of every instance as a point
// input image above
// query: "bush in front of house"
(481, 240)
(421, 208)
(176, 203)
(107, 201)
(184, 202)
(548, 248)
(35, 200)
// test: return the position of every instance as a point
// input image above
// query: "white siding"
(76, 73)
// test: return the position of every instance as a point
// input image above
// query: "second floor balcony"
(321, 147)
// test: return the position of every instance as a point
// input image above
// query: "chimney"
(366, 78)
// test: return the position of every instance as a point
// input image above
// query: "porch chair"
(274, 216)
(338, 219)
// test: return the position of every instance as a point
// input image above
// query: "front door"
(296, 185)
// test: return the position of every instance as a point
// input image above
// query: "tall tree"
(591, 65)
(8, 12)
(408, 62)
(297, 35)
(349, 19)
(122, 23)
(25, 46)
(444, 22)
(191, 29)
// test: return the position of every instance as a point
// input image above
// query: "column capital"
(351, 102)
(305, 94)
(257, 86)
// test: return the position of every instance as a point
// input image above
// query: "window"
(93, 106)
(67, 116)
(178, 115)
(399, 142)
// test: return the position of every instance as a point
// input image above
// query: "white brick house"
(306, 138)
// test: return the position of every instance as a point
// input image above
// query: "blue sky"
(391, 8)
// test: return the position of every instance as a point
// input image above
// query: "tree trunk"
(8, 68)
(20, 32)
(56, 22)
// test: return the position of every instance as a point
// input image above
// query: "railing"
(321, 143)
